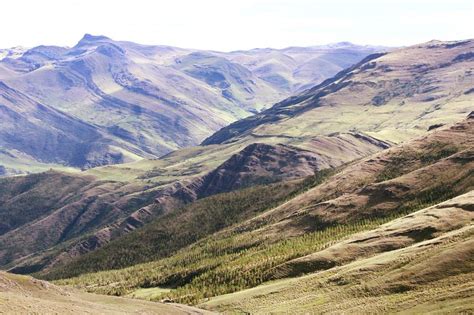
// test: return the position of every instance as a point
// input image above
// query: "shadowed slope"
(32, 132)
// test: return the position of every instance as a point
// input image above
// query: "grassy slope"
(182, 227)
(41, 210)
(333, 150)
(25, 165)
(393, 97)
(24, 199)
(25, 295)
(112, 208)
(435, 275)
(363, 288)
(246, 254)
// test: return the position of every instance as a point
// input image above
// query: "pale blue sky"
(231, 25)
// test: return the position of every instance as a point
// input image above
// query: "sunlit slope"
(26, 295)
(393, 97)
(389, 269)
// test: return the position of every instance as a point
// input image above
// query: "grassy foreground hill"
(26, 295)
(376, 207)
(433, 276)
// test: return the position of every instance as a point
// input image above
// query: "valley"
(322, 219)
(353, 192)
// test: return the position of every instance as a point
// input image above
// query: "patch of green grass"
(150, 293)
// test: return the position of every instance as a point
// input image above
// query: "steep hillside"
(52, 208)
(25, 199)
(313, 231)
(26, 295)
(390, 269)
(188, 224)
(393, 97)
(101, 210)
(33, 132)
(115, 102)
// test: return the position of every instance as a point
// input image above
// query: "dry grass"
(436, 275)
(25, 295)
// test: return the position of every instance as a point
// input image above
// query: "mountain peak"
(88, 38)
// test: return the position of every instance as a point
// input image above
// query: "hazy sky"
(231, 25)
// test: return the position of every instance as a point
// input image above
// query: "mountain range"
(352, 192)
(105, 102)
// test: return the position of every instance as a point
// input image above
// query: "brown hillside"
(386, 270)
(26, 295)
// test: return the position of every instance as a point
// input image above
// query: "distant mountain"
(139, 101)
(33, 130)
(298, 68)
(13, 52)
